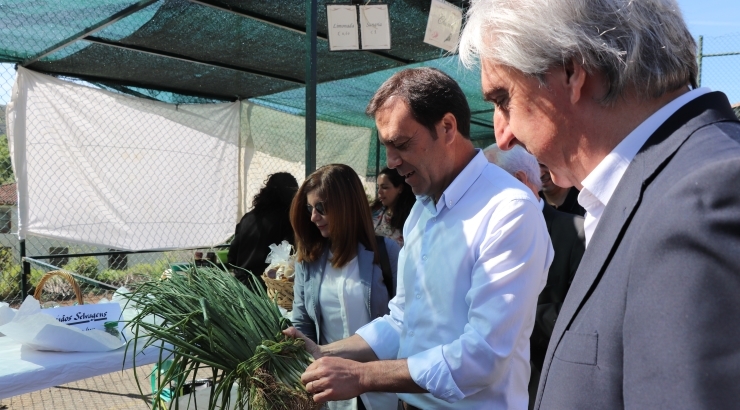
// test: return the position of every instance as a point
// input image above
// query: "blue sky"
(711, 18)
(716, 20)
(719, 22)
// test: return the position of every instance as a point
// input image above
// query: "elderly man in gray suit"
(603, 92)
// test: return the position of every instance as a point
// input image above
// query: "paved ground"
(113, 391)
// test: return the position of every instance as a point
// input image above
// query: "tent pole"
(311, 12)
(377, 161)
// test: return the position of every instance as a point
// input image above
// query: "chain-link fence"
(272, 139)
(719, 64)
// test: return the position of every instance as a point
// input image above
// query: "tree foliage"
(6, 169)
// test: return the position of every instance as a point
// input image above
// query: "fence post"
(700, 57)
(25, 272)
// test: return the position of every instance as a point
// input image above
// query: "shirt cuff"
(382, 336)
(430, 371)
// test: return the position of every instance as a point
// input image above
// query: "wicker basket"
(65, 275)
(280, 289)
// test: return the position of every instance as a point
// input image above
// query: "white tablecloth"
(24, 370)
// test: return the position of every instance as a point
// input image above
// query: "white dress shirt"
(469, 275)
(600, 184)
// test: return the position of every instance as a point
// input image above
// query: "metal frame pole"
(377, 160)
(311, 64)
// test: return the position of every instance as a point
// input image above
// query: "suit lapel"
(651, 158)
(315, 287)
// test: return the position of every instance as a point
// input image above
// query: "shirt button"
(418, 296)
(450, 203)
(434, 219)
(424, 257)
(411, 333)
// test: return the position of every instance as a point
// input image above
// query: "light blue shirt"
(469, 275)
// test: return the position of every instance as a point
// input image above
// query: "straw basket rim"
(279, 289)
(64, 275)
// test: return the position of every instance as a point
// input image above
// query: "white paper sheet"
(36, 330)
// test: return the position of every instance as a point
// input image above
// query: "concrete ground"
(112, 391)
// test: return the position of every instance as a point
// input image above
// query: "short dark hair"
(430, 94)
(347, 211)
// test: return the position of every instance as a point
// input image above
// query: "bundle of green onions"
(209, 320)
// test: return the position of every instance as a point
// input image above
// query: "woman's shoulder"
(392, 245)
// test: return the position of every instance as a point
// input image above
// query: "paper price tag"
(375, 27)
(443, 26)
(86, 317)
(342, 25)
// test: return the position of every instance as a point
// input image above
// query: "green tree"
(6, 168)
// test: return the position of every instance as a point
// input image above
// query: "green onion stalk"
(204, 318)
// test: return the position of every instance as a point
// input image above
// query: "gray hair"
(515, 160)
(640, 45)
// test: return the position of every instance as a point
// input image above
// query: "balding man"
(603, 93)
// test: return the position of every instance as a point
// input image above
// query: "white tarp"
(99, 168)
(273, 141)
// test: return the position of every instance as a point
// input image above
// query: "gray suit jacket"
(652, 318)
(308, 277)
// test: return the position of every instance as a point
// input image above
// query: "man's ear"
(447, 127)
(575, 79)
(522, 177)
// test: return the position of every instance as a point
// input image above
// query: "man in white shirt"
(475, 257)
(603, 93)
(567, 236)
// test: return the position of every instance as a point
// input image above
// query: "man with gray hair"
(603, 92)
(568, 241)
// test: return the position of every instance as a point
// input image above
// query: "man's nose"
(505, 139)
(392, 158)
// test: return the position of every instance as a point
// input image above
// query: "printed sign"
(86, 317)
(342, 25)
(443, 26)
(375, 27)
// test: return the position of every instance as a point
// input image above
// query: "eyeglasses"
(319, 208)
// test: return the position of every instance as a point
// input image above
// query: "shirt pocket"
(580, 348)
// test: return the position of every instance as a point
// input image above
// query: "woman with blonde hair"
(344, 276)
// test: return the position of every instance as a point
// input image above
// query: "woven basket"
(279, 289)
(65, 275)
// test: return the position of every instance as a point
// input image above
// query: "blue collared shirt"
(470, 272)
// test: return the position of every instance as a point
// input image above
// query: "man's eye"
(501, 103)
(403, 145)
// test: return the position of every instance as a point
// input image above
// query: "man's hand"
(311, 347)
(333, 378)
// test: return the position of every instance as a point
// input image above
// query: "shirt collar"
(541, 204)
(601, 183)
(462, 182)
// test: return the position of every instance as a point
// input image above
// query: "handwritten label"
(443, 26)
(375, 27)
(86, 317)
(342, 24)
